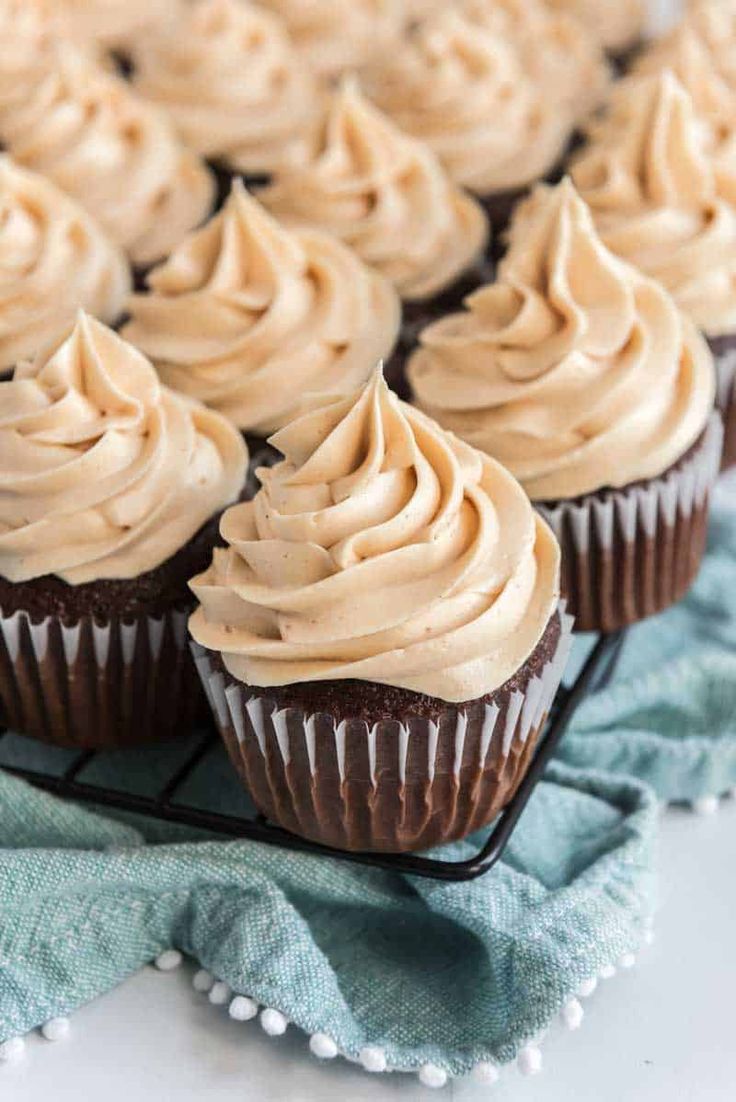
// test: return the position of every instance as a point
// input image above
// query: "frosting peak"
(233, 84)
(654, 193)
(334, 36)
(617, 24)
(249, 317)
(382, 549)
(81, 125)
(386, 196)
(53, 259)
(476, 99)
(106, 473)
(573, 369)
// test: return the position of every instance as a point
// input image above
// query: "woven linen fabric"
(451, 974)
(668, 716)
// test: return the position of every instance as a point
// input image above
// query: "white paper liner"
(68, 683)
(418, 746)
(646, 507)
(726, 402)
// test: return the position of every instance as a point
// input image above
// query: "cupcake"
(250, 317)
(579, 374)
(335, 37)
(380, 639)
(386, 196)
(235, 88)
(54, 259)
(109, 498)
(619, 26)
(484, 105)
(658, 202)
(66, 117)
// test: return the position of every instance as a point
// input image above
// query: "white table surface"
(662, 1032)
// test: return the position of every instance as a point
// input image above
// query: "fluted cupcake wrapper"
(98, 685)
(392, 786)
(627, 554)
(726, 401)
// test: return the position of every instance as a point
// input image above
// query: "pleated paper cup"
(630, 553)
(98, 685)
(726, 401)
(399, 784)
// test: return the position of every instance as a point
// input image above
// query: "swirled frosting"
(105, 472)
(386, 196)
(118, 23)
(53, 259)
(233, 84)
(335, 37)
(573, 369)
(555, 49)
(617, 24)
(82, 126)
(655, 199)
(249, 317)
(468, 94)
(381, 549)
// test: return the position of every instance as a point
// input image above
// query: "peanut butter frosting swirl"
(250, 318)
(117, 23)
(470, 95)
(105, 472)
(64, 116)
(335, 37)
(617, 24)
(53, 259)
(574, 370)
(655, 197)
(233, 84)
(382, 549)
(386, 196)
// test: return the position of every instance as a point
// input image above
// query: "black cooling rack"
(169, 803)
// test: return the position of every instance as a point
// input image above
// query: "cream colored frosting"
(69, 119)
(617, 24)
(336, 36)
(655, 198)
(53, 259)
(386, 196)
(470, 94)
(105, 472)
(234, 86)
(556, 50)
(574, 370)
(118, 22)
(381, 549)
(251, 318)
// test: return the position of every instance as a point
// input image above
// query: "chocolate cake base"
(105, 663)
(724, 353)
(368, 767)
(628, 554)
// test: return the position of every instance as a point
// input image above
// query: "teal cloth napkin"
(450, 975)
(669, 715)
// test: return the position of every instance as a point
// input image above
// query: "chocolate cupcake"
(619, 27)
(579, 374)
(235, 88)
(54, 259)
(334, 37)
(110, 491)
(663, 202)
(252, 318)
(497, 104)
(66, 116)
(380, 639)
(386, 195)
